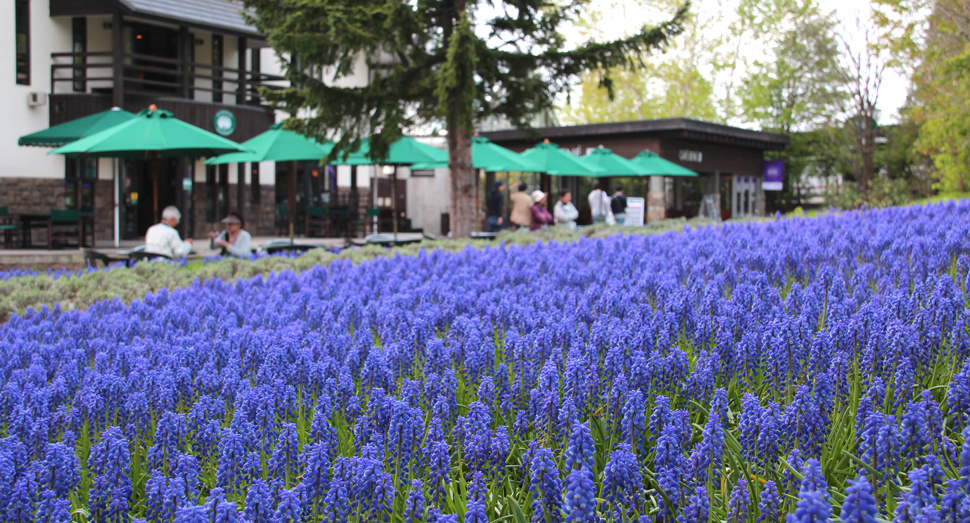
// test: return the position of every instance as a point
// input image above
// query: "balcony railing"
(94, 72)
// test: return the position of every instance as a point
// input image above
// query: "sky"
(620, 17)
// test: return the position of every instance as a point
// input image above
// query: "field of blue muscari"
(806, 370)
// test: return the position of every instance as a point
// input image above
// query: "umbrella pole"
(394, 201)
(155, 186)
(117, 195)
(291, 195)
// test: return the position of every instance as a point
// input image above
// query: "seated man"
(162, 238)
(234, 240)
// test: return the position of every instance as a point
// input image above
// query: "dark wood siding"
(82, 7)
(715, 158)
(250, 120)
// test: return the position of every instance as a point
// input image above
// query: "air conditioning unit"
(35, 99)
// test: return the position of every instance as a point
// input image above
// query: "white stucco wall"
(428, 197)
(47, 35)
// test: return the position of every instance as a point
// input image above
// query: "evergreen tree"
(450, 61)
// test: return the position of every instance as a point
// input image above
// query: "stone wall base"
(21, 195)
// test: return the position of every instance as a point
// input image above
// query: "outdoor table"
(38, 220)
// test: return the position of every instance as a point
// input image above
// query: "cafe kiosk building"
(729, 160)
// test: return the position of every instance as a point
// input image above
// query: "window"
(22, 23)
(428, 173)
(80, 176)
(79, 29)
(254, 182)
(217, 68)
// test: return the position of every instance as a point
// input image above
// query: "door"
(137, 195)
(385, 202)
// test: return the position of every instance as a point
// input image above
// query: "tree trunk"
(464, 179)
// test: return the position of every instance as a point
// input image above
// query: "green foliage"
(427, 54)
(800, 87)
(79, 292)
(930, 40)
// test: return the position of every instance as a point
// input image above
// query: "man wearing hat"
(234, 240)
(495, 207)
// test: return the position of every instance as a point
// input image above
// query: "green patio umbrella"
(151, 134)
(489, 156)
(276, 145)
(657, 166)
(68, 132)
(550, 159)
(279, 145)
(612, 164)
(406, 151)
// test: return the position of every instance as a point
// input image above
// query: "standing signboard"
(634, 211)
(774, 173)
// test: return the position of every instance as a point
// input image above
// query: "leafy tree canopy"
(489, 58)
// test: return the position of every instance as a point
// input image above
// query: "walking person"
(618, 205)
(521, 208)
(234, 240)
(540, 215)
(495, 207)
(565, 212)
(599, 204)
(162, 238)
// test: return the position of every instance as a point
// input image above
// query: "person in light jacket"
(234, 240)
(521, 208)
(564, 211)
(599, 204)
(540, 215)
(162, 238)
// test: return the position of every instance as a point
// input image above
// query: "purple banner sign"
(774, 175)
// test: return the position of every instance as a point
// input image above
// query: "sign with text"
(774, 174)
(634, 212)
(686, 155)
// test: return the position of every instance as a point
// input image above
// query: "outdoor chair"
(67, 225)
(92, 257)
(317, 220)
(367, 222)
(282, 219)
(138, 256)
(10, 229)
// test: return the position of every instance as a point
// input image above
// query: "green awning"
(550, 159)
(489, 156)
(406, 151)
(74, 130)
(657, 166)
(151, 133)
(612, 164)
(277, 145)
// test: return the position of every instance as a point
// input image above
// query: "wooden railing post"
(241, 54)
(118, 42)
(185, 58)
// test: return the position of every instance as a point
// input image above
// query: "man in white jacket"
(162, 238)
(599, 204)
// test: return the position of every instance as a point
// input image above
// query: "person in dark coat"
(495, 207)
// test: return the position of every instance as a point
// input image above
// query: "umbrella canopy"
(491, 157)
(657, 166)
(612, 164)
(68, 132)
(276, 145)
(550, 159)
(151, 133)
(406, 151)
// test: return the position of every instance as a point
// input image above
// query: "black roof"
(218, 15)
(672, 128)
